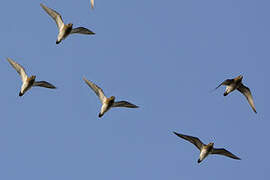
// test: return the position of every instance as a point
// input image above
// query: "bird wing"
(19, 69)
(124, 104)
(194, 140)
(92, 4)
(55, 15)
(246, 92)
(224, 152)
(82, 30)
(226, 82)
(96, 89)
(44, 84)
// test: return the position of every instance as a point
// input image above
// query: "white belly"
(230, 89)
(104, 108)
(203, 154)
(25, 87)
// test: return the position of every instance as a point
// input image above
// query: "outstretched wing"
(44, 84)
(124, 104)
(81, 30)
(18, 68)
(226, 83)
(224, 152)
(55, 15)
(246, 92)
(96, 89)
(194, 140)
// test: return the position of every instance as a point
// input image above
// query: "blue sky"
(165, 57)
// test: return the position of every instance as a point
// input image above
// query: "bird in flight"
(107, 103)
(236, 83)
(28, 82)
(65, 29)
(205, 150)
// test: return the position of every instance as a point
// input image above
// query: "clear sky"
(164, 56)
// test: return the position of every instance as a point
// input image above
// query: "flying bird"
(28, 82)
(107, 103)
(64, 29)
(205, 150)
(236, 83)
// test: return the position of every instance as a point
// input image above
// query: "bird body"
(232, 84)
(205, 151)
(27, 85)
(106, 105)
(64, 32)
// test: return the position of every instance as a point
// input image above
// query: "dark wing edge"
(124, 104)
(82, 30)
(44, 84)
(224, 152)
(194, 140)
(226, 83)
(247, 93)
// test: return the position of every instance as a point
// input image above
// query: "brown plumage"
(28, 82)
(64, 29)
(205, 150)
(107, 103)
(236, 83)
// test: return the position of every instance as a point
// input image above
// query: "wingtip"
(91, 32)
(255, 110)
(53, 86)
(9, 60)
(237, 158)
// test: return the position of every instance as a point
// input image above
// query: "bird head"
(69, 25)
(32, 78)
(239, 78)
(112, 98)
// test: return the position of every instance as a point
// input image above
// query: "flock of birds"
(107, 103)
